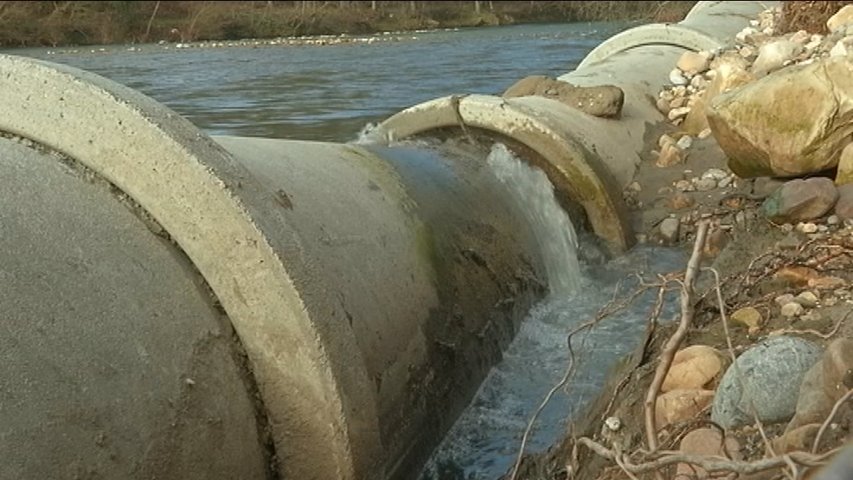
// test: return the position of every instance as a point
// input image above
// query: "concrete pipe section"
(271, 309)
(588, 159)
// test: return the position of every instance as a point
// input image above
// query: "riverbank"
(75, 23)
(753, 379)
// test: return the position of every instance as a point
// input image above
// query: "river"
(329, 93)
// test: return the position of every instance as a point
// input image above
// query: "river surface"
(330, 93)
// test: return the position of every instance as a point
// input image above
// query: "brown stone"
(730, 73)
(838, 368)
(797, 276)
(749, 317)
(707, 442)
(801, 200)
(679, 405)
(799, 439)
(599, 101)
(679, 201)
(669, 155)
(693, 367)
(692, 63)
(844, 205)
(791, 123)
(813, 404)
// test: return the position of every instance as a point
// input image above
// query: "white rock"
(715, 174)
(807, 227)
(685, 142)
(613, 424)
(741, 36)
(725, 182)
(783, 300)
(704, 134)
(677, 78)
(841, 48)
(832, 220)
(665, 140)
(772, 56)
(684, 186)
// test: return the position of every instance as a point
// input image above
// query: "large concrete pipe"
(588, 159)
(368, 295)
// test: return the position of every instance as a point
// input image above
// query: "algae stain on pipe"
(551, 226)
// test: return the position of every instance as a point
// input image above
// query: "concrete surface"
(708, 26)
(116, 364)
(552, 132)
(368, 317)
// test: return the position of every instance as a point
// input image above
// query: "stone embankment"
(757, 148)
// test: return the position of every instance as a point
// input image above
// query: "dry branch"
(674, 341)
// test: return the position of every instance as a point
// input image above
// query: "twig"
(711, 464)
(731, 350)
(674, 341)
(830, 418)
(825, 336)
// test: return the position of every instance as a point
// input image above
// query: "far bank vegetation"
(24, 23)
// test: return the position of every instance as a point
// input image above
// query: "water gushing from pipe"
(552, 228)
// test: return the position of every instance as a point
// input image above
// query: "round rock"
(766, 377)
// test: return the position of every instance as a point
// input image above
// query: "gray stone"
(706, 184)
(677, 78)
(801, 200)
(767, 378)
(669, 229)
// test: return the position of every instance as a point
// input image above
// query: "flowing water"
(484, 442)
(329, 93)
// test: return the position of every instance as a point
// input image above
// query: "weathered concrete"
(708, 26)
(116, 363)
(561, 138)
(368, 318)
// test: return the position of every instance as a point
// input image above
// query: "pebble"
(665, 140)
(807, 227)
(677, 113)
(685, 142)
(787, 227)
(704, 134)
(684, 186)
(635, 187)
(669, 229)
(706, 184)
(677, 78)
(725, 182)
(785, 299)
(832, 220)
(715, 174)
(793, 309)
(807, 299)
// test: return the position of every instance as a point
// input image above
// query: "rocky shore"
(754, 171)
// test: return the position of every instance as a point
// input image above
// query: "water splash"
(554, 232)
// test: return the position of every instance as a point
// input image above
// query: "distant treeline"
(97, 22)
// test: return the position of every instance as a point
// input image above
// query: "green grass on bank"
(24, 23)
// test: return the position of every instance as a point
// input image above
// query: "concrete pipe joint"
(176, 306)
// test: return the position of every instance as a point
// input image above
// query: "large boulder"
(790, 123)
(600, 101)
(845, 166)
(842, 18)
(765, 378)
(801, 200)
